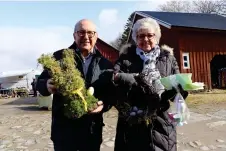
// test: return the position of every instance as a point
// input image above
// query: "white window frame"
(188, 61)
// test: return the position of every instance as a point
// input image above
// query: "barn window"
(186, 63)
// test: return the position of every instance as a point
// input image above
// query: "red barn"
(199, 42)
(107, 50)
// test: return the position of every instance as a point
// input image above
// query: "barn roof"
(192, 20)
(109, 45)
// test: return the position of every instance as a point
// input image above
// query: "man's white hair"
(78, 24)
(146, 23)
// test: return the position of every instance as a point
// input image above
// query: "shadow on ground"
(24, 104)
(21, 101)
(32, 108)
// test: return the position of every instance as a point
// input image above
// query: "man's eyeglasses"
(82, 33)
(142, 36)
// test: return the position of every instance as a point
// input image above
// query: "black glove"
(170, 94)
(182, 92)
(126, 78)
(145, 85)
(144, 94)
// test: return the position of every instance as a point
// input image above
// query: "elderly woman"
(137, 74)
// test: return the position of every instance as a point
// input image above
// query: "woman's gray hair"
(146, 23)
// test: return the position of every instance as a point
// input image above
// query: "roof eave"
(108, 44)
(161, 22)
(200, 28)
(13, 75)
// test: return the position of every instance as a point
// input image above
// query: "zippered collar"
(95, 50)
(96, 56)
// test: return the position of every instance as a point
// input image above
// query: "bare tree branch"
(176, 6)
(222, 7)
(205, 6)
(117, 42)
(196, 6)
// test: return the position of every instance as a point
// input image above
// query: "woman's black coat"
(161, 134)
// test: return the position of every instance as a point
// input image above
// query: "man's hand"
(98, 108)
(50, 87)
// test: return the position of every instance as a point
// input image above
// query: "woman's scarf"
(152, 74)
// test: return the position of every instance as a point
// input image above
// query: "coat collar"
(92, 66)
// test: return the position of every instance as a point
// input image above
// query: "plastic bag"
(179, 110)
(184, 79)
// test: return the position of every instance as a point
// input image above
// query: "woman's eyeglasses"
(142, 36)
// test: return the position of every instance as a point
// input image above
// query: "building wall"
(170, 37)
(13, 82)
(202, 46)
(18, 81)
(107, 51)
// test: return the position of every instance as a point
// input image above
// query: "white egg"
(133, 114)
(140, 111)
(135, 109)
(90, 90)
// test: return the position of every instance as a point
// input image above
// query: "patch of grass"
(213, 91)
(194, 100)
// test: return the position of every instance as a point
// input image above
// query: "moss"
(68, 81)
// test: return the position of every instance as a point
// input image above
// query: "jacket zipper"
(152, 142)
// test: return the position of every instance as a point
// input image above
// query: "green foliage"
(68, 81)
(121, 39)
(127, 28)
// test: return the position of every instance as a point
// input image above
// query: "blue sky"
(38, 14)
(28, 29)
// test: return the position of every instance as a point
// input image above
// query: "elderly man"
(85, 133)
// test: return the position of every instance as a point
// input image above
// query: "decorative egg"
(90, 91)
(135, 109)
(140, 112)
(133, 114)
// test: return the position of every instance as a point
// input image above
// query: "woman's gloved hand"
(125, 78)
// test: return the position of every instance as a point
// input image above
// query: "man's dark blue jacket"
(86, 130)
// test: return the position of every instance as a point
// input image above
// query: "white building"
(16, 79)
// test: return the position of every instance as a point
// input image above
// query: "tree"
(127, 28)
(122, 38)
(222, 10)
(175, 6)
(206, 6)
(195, 6)
(117, 42)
